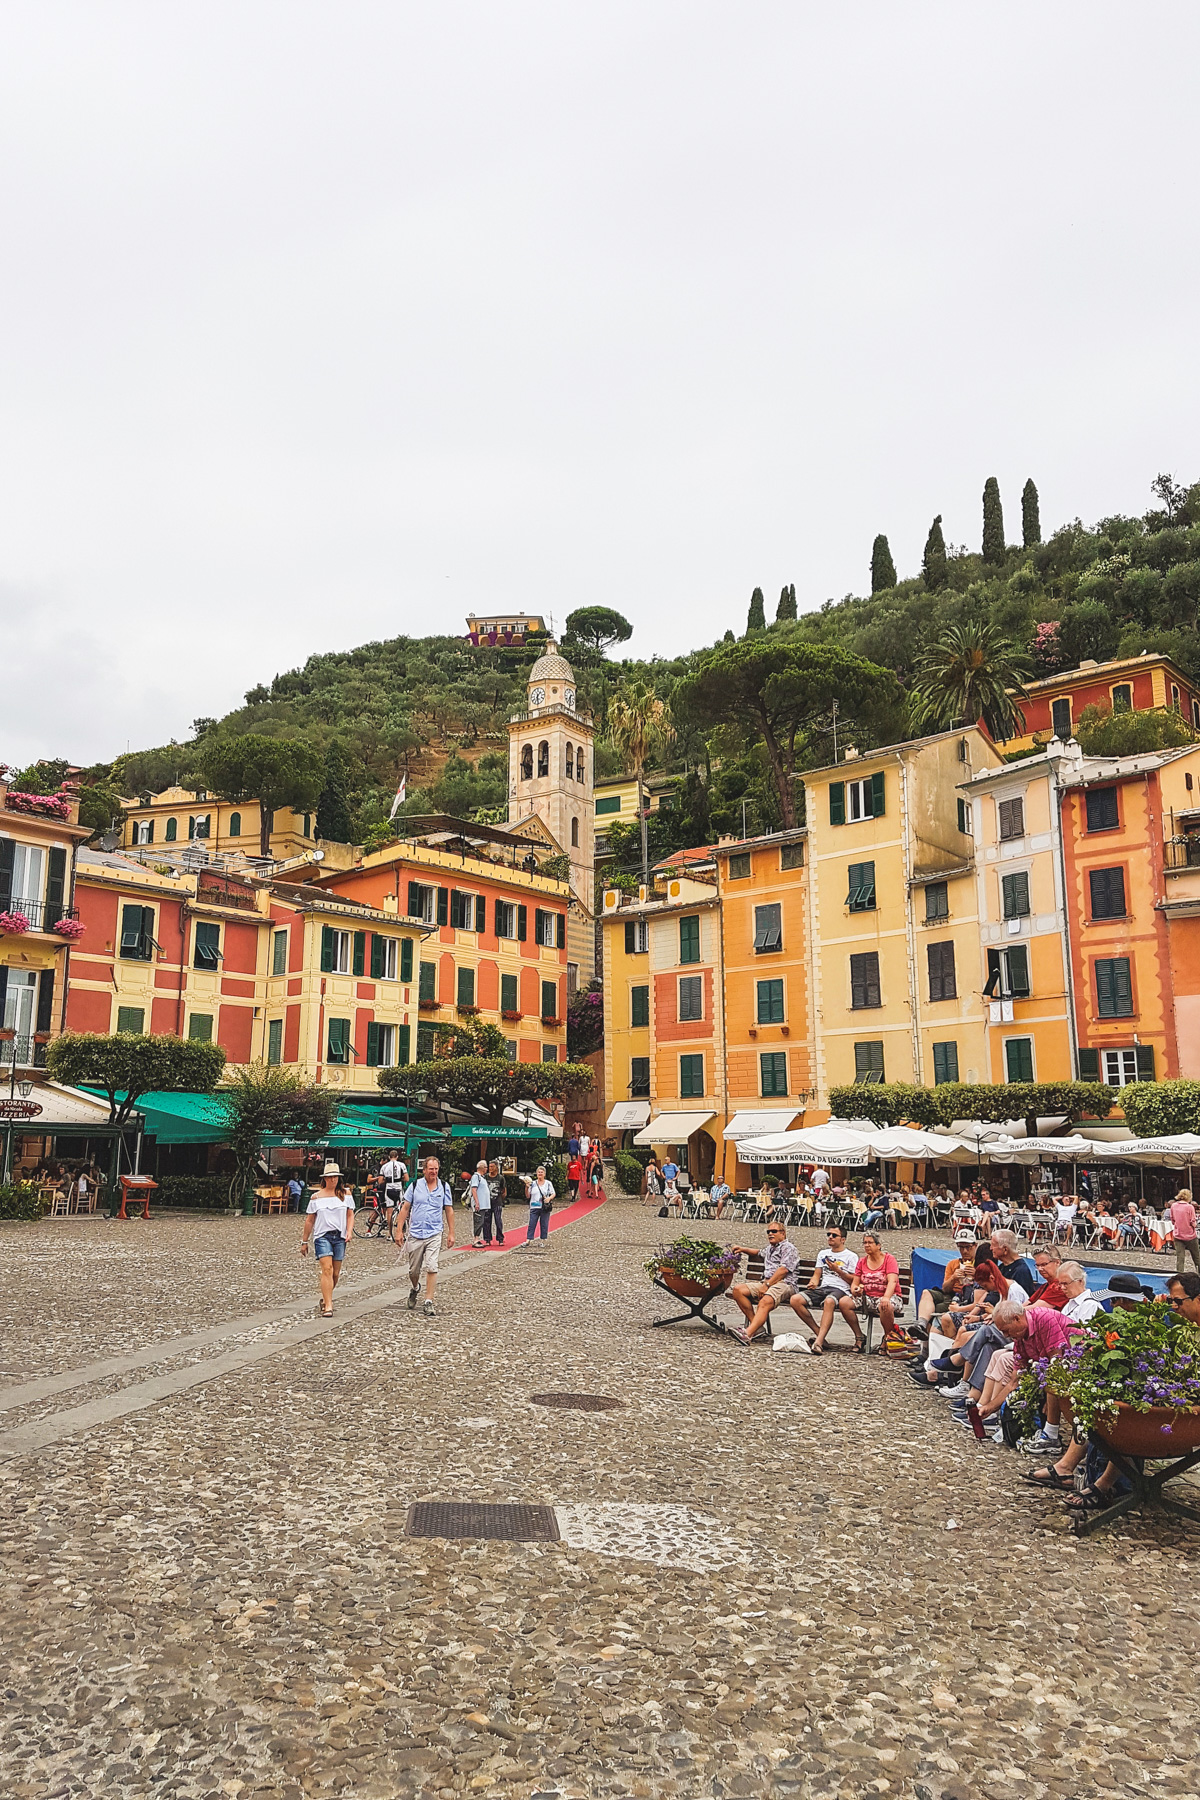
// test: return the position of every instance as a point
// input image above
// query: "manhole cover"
(580, 1402)
(466, 1519)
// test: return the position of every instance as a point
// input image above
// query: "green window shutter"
(877, 794)
(639, 1006)
(1145, 1061)
(200, 1028)
(1089, 1065)
(56, 883)
(235, 824)
(45, 1000)
(561, 931)
(274, 1043)
(773, 1072)
(1018, 972)
(414, 900)
(339, 1041)
(945, 1063)
(1018, 1059)
(8, 852)
(837, 803)
(1104, 988)
(406, 959)
(404, 1053)
(360, 952)
(630, 940)
(206, 948)
(131, 1018)
(691, 1077)
(508, 993)
(480, 912)
(689, 939)
(279, 953)
(770, 1002)
(522, 923)
(443, 905)
(466, 987)
(327, 947)
(1122, 987)
(377, 955)
(427, 989)
(172, 831)
(549, 999)
(372, 1045)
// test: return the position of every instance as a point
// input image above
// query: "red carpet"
(559, 1216)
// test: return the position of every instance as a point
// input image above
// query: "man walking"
(428, 1209)
(481, 1205)
(394, 1176)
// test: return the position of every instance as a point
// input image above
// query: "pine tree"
(934, 570)
(787, 603)
(1031, 517)
(993, 522)
(756, 619)
(883, 569)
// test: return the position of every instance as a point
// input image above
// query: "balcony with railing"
(1182, 853)
(22, 1050)
(39, 915)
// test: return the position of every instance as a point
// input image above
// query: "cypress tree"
(334, 821)
(787, 603)
(993, 522)
(883, 569)
(756, 619)
(1031, 517)
(934, 571)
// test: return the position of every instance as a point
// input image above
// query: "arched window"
(579, 765)
(570, 762)
(235, 824)
(574, 834)
(172, 831)
(527, 763)
(543, 758)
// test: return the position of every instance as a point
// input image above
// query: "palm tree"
(639, 723)
(970, 673)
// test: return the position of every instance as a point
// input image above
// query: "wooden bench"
(804, 1273)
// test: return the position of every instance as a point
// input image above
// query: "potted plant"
(1133, 1377)
(14, 923)
(693, 1267)
(70, 929)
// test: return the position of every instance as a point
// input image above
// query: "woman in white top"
(541, 1199)
(329, 1225)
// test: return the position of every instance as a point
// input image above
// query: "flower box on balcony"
(50, 806)
(428, 1005)
(552, 1024)
(467, 1012)
(70, 929)
(14, 923)
(512, 1017)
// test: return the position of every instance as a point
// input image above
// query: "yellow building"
(39, 834)
(893, 915)
(179, 817)
(617, 801)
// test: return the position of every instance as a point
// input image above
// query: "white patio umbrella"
(904, 1143)
(833, 1144)
(1177, 1152)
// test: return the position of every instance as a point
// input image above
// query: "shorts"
(1002, 1366)
(780, 1291)
(869, 1304)
(392, 1197)
(941, 1297)
(421, 1255)
(332, 1244)
(819, 1295)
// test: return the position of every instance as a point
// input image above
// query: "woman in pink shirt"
(1183, 1229)
(875, 1284)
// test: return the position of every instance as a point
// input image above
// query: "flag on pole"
(398, 802)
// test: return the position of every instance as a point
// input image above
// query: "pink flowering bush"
(51, 806)
(71, 929)
(1047, 649)
(14, 923)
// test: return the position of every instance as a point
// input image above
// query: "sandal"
(1048, 1478)
(1090, 1500)
(817, 1349)
(860, 1348)
(327, 1312)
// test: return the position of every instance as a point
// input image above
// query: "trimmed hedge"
(903, 1103)
(210, 1192)
(629, 1172)
(1161, 1108)
(20, 1200)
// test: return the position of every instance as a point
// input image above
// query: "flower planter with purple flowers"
(1133, 1377)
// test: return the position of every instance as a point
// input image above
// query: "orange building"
(1127, 684)
(39, 835)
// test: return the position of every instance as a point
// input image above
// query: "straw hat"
(331, 1168)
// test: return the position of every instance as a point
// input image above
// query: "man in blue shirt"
(428, 1206)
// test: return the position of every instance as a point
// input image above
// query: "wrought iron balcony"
(25, 1051)
(43, 915)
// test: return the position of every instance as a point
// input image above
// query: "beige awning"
(628, 1115)
(760, 1124)
(673, 1128)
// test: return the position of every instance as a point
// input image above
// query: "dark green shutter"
(427, 989)
(561, 930)
(56, 883)
(414, 900)
(327, 948)
(1145, 1058)
(372, 1045)
(443, 905)
(1089, 1065)
(522, 923)
(480, 912)
(360, 952)
(549, 999)
(837, 803)
(629, 938)
(1122, 988)
(405, 1044)
(45, 1004)
(1104, 988)
(8, 851)
(377, 953)
(877, 794)
(406, 959)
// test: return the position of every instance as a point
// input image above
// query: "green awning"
(182, 1118)
(345, 1135)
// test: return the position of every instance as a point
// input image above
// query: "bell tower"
(550, 773)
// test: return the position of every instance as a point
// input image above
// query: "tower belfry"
(550, 773)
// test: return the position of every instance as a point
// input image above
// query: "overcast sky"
(323, 323)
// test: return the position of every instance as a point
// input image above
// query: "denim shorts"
(332, 1244)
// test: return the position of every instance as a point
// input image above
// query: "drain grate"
(579, 1402)
(468, 1519)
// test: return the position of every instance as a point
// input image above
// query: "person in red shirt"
(1048, 1291)
(876, 1284)
(1183, 1228)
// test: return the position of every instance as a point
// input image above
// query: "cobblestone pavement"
(208, 1590)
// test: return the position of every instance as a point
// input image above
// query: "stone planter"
(1141, 1433)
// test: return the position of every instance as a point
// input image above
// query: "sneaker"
(430, 1310)
(739, 1332)
(959, 1391)
(1041, 1445)
(412, 1299)
(918, 1376)
(958, 1412)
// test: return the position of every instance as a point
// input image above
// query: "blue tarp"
(929, 1265)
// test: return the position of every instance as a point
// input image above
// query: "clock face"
(569, 697)
(537, 696)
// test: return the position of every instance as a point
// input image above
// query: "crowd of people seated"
(844, 1282)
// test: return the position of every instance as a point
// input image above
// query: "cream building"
(550, 775)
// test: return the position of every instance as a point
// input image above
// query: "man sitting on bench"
(830, 1285)
(755, 1299)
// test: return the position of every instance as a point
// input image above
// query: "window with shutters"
(422, 902)
(1008, 974)
(337, 951)
(137, 933)
(338, 1044)
(637, 937)
(739, 868)
(1060, 719)
(639, 1006)
(773, 1076)
(385, 958)
(1014, 894)
(172, 831)
(639, 1077)
(609, 803)
(1102, 812)
(549, 1053)
(274, 1043)
(860, 895)
(1114, 988)
(279, 953)
(131, 1018)
(689, 939)
(945, 1063)
(508, 993)
(425, 1043)
(768, 929)
(864, 980)
(850, 801)
(1018, 1059)
(868, 1061)
(510, 1049)
(937, 901)
(427, 981)
(691, 998)
(545, 930)
(506, 919)
(462, 910)
(464, 992)
(549, 1000)
(1122, 697)
(770, 1002)
(691, 1077)
(200, 1027)
(1012, 818)
(1107, 892)
(143, 831)
(964, 816)
(381, 1045)
(942, 985)
(1120, 1067)
(206, 946)
(406, 959)
(235, 824)
(791, 856)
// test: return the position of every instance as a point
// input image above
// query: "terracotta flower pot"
(691, 1290)
(1141, 1433)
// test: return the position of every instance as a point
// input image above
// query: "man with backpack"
(428, 1210)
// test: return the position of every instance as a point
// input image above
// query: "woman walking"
(541, 1201)
(329, 1224)
(499, 1192)
(595, 1172)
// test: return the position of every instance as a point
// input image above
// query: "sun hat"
(331, 1168)
(1124, 1287)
